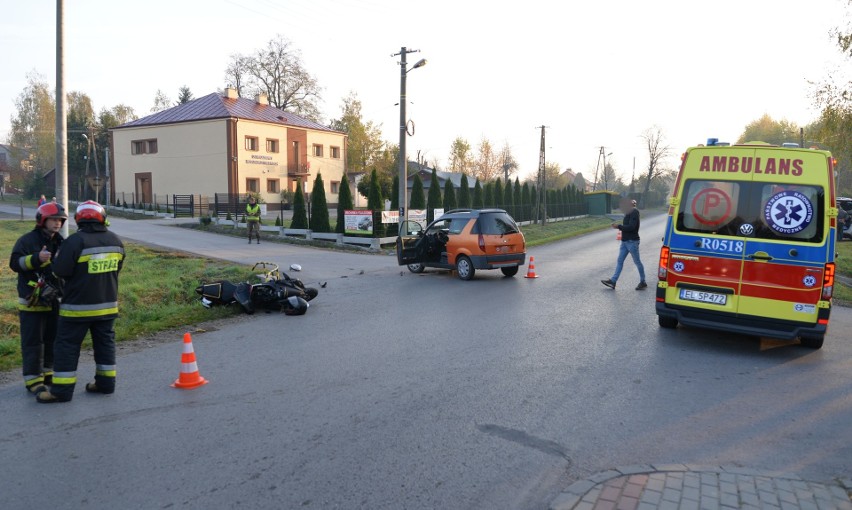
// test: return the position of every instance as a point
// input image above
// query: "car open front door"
(406, 243)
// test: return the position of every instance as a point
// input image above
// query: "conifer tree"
(464, 193)
(525, 202)
(376, 204)
(509, 199)
(449, 196)
(300, 215)
(418, 196)
(319, 221)
(434, 200)
(488, 195)
(498, 193)
(344, 203)
(478, 197)
(516, 198)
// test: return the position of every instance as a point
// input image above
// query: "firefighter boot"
(46, 397)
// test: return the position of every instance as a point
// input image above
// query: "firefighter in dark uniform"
(253, 218)
(88, 262)
(38, 294)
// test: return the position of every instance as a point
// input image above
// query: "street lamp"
(403, 160)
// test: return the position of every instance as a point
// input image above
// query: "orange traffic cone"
(189, 377)
(531, 269)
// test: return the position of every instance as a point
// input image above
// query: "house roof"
(216, 106)
(426, 176)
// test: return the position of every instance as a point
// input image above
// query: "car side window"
(457, 225)
(439, 226)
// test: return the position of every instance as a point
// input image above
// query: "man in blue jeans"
(629, 243)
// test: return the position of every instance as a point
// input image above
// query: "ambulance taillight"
(828, 282)
(662, 271)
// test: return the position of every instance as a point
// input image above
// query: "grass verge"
(156, 292)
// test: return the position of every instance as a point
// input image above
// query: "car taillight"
(482, 243)
(662, 271)
(828, 282)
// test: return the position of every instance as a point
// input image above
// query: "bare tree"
(507, 161)
(278, 72)
(237, 72)
(657, 152)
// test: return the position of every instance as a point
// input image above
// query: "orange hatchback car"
(464, 240)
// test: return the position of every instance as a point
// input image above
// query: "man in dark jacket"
(629, 243)
(38, 294)
(89, 262)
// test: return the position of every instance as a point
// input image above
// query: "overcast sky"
(594, 73)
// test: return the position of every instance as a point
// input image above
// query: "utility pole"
(61, 136)
(541, 195)
(403, 159)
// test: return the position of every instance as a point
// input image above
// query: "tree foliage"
(344, 203)
(34, 124)
(365, 142)
(766, 129)
(418, 195)
(478, 201)
(434, 199)
(464, 197)
(449, 195)
(277, 71)
(300, 214)
(184, 95)
(376, 204)
(319, 220)
(161, 102)
(461, 158)
(488, 165)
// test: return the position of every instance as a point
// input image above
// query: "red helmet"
(90, 211)
(50, 210)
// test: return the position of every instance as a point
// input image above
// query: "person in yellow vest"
(253, 218)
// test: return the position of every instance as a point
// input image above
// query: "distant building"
(221, 143)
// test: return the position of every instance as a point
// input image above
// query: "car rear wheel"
(667, 322)
(509, 271)
(812, 342)
(464, 267)
(416, 268)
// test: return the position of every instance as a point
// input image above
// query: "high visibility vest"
(253, 212)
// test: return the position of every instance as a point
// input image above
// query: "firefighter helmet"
(50, 210)
(90, 211)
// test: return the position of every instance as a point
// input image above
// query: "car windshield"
(497, 223)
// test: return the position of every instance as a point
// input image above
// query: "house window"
(252, 185)
(271, 145)
(251, 143)
(334, 152)
(273, 186)
(335, 187)
(143, 146)
(317, 150)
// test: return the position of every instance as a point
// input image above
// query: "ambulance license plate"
(703, 297)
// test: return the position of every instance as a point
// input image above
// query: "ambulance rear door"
(785, 234)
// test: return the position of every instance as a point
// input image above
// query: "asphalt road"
(398, 390)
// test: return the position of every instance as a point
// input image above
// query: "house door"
(144, 188)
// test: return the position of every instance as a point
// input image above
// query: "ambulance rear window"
(753, 209)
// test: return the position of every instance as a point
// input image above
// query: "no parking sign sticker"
(788, 212)
(711, 207)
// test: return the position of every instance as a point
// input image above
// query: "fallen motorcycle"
(277, 291)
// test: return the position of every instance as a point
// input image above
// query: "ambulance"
(749, 244)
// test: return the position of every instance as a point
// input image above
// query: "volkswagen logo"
(747, 229)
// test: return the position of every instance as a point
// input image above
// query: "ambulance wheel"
(667, 322)
(416, 268)
(812, 342)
